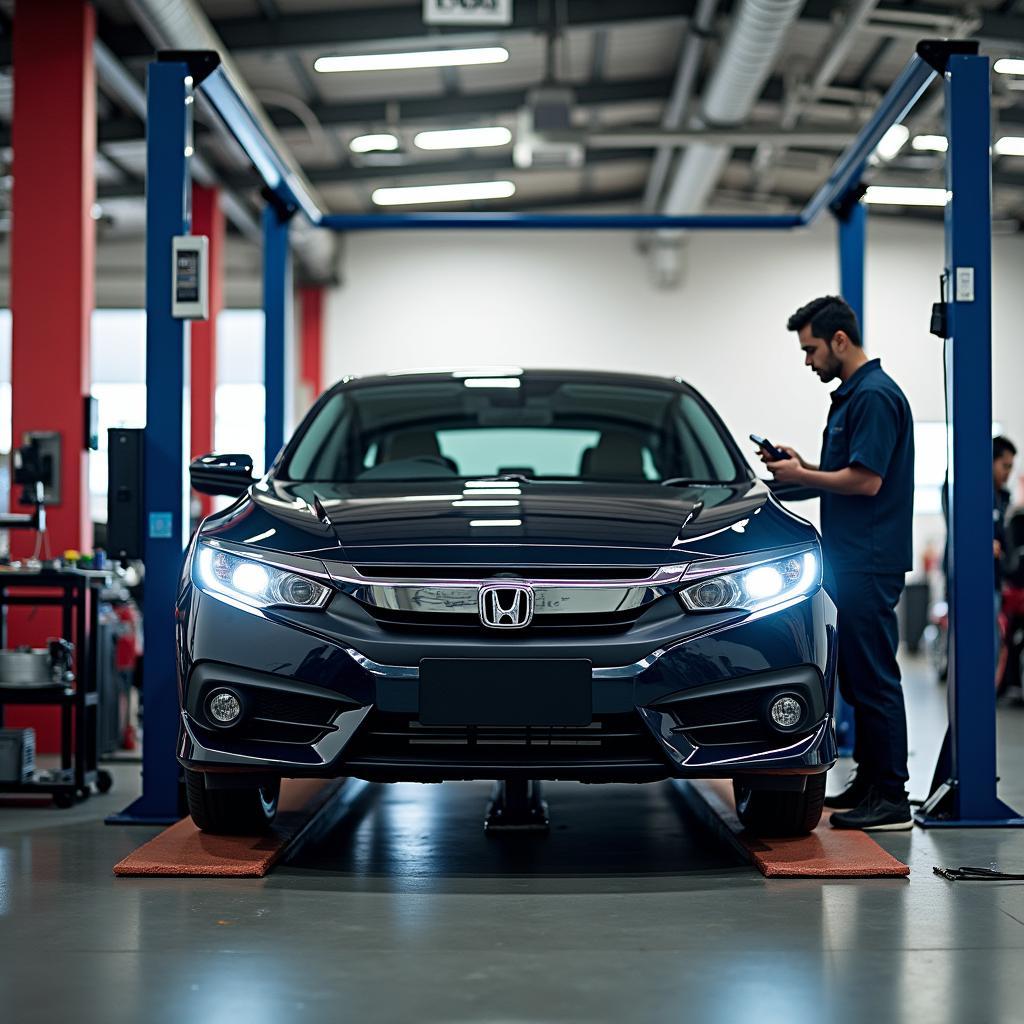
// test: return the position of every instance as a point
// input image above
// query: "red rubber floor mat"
(183, 850)
(826, 853)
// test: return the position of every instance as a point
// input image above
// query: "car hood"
(540, 522)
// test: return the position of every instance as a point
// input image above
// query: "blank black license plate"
(465, 691)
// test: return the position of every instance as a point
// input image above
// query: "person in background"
(1003, 454)
(866, 481)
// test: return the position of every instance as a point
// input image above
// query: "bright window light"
(489, 371)
(891, 195)
(930, 143)
(495, 522)
(415, 194)
(1010, 145)
(491, 382)
(1009, 66)
(466, 503)
(382, 143)
(463, 138)
(417, 59)
(892, 141)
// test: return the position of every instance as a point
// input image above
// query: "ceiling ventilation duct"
(748, 56)
(181, 25)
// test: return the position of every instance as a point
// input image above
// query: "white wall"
(584, 299)
(581, 299)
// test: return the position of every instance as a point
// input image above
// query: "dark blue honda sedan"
(510, 575)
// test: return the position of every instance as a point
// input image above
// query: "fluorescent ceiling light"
(382, 143)
(463, 138)
(495, 522)
(491, 382)
(892, 141)
(930, 143)
(417, 59)
(1009, 66)
(1010, 145)
(890, 195)
(413, 194)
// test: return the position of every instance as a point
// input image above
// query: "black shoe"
(852, 796)
(876, 813)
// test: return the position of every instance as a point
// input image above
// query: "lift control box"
(190, 271)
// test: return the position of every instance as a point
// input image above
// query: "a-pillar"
(208, 220)
(311, 332)
(53, 244)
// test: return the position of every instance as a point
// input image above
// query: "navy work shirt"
(869, 425)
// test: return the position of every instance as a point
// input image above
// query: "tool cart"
(64, 674)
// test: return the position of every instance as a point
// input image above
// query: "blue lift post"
(852, 219)
(969, 798)
(277, 311)
(972, 713)
(166, 448)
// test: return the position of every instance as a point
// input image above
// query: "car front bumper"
(335, 695)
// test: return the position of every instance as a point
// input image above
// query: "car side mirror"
(230, 475)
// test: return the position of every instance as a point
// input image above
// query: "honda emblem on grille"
(506, 606)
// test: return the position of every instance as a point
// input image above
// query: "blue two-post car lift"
(968, 798)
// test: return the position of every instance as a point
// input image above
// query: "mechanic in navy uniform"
(866, 482)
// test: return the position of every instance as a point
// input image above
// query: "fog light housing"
(786, 712)
(224, 707)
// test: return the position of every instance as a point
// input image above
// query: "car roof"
(460, 373)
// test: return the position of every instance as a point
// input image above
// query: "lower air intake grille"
(610, 740)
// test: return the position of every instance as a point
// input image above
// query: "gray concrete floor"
(627, 911)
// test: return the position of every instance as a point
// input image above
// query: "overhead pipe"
(839, 49)
(751, 49)
(181, 25)
(680, 98)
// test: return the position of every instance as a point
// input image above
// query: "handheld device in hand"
(776, 454)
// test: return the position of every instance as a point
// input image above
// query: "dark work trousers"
(869, 678)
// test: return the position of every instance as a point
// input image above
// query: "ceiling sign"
(467, 12)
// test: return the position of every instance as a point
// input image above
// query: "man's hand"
(787, 471)
(794, 456)
(997, 549)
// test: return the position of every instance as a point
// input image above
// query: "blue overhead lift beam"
(967, 797)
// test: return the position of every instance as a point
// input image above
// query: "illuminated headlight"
(754, 589)
(253, 583)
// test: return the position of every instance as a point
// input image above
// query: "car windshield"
(533, 427)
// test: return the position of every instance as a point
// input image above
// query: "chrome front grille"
(564, 597)
(414, 621)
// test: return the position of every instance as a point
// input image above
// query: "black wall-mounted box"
(124, 492)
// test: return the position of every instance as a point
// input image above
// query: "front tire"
(780, 813)
(246, 811)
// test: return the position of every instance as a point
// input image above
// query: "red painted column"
(53, 246)
(207, 219)
(311, 312)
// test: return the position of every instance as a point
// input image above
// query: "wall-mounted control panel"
(190, 272)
